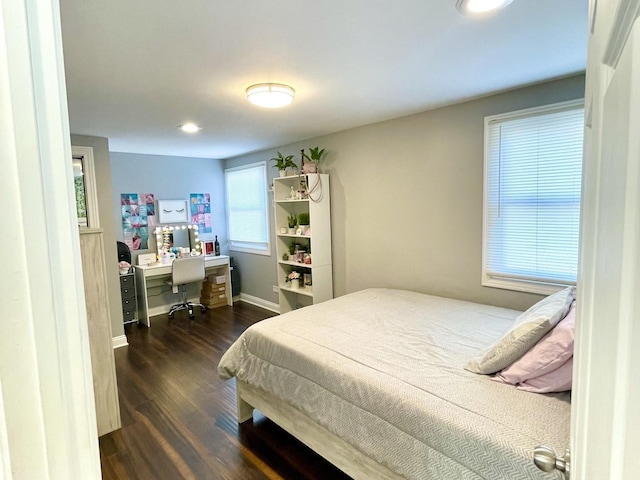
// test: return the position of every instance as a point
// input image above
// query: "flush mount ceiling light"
(270, 95)
(189, 127)
(472, 7)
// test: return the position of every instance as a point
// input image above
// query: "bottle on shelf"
(216, 247)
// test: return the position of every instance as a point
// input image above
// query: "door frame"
(605, 419)
(47, 417)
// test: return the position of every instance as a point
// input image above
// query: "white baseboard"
(119, 341)
(260, 302)
(243, 297)
(161, 309)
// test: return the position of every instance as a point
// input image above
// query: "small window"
(247, 214)
(85, 187)
(81, 200)
(533, 167)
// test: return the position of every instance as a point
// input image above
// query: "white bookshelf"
(318, 206)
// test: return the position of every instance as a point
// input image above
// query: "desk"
(150, 276)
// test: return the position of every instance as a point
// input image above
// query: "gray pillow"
(527, 329)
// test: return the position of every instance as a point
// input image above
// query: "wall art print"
(201, 211)
(173, 211)
(138, 217)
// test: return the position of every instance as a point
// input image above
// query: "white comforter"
(383, 369)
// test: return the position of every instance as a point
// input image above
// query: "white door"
(606, 396)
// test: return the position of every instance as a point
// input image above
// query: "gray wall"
(169, 178)
(406, 200)
(103, 180)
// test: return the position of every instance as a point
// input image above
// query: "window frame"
(85, 155)
(249, 247)
(506, 281)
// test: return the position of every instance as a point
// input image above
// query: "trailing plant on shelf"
(312, 160)
(282, 163)
(316, 154)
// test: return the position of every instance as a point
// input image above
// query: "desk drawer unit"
(129, 301)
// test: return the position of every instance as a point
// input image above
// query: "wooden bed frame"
(318, 438)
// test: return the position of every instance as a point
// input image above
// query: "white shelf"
(295, 264)
(290, 177)
(288, 200)
(308, 291)
(319, 243)
(293, 235)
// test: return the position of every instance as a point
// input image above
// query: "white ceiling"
(137, 69)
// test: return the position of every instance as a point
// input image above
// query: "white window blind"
(533, 166)
(247, 214)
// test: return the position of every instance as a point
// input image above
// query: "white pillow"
(549, 354)
(527, 329)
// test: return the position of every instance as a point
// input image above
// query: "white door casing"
(48, 423)
(606, 393)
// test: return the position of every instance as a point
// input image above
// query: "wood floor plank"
(179, 419)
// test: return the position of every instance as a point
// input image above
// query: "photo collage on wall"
(201, 211)
(138, 217)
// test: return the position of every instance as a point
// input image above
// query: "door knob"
(546, 460)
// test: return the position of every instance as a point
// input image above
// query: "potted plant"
(313, 160)
(282, 163)
(294, 278)
(303, 222)
(292, 221)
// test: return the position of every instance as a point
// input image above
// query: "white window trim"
(245, 246)
(90, 189)
(504, 282)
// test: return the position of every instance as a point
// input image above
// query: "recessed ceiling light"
(270, 95)
(481, 6)
(189, 127)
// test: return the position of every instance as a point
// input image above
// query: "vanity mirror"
(178, 236)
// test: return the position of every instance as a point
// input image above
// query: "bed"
(374, 381)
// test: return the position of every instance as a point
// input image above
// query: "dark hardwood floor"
(179, 419)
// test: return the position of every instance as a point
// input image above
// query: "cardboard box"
(214, 302)
(212, 287)
(217, 279)
(212, 296)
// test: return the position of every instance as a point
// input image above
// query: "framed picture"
(173, 211)
(209, 248)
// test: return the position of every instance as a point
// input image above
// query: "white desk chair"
(184, 271)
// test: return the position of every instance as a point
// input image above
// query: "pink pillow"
(558, 380)
(551, 352)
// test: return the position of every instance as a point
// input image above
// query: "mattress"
(383, 370)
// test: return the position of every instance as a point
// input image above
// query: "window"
(533, 167)
(247, 215)
(85, 187)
